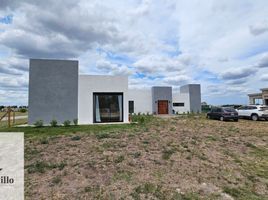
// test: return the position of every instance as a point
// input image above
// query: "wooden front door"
(162, 107)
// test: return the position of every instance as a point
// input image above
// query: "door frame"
(166, 108)
(107, 93)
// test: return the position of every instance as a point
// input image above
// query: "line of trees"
(14, 107)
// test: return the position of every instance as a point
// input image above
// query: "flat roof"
(255, 94)
(264, 89)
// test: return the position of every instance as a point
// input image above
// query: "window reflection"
(108, 107)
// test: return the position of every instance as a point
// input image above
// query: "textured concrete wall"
(88, 84)
(194, 91)
(161, 93)
(53, 90)
(142, 100)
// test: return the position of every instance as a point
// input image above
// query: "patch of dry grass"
(186, 157)
(4, 124)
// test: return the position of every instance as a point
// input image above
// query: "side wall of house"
(194, 91)
(181, 98)
(53, 90)
(88, 84)
(142, 100)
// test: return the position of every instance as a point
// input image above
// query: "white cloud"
(13, 66)
(264, 77)
(107, 67)
(263, 61)
(142, 9)
(259, 28)
(162, 63)
(169, 41)
(177, 80)
(239, 73)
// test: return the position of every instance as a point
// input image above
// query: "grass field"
(16, 113)
(186, 157)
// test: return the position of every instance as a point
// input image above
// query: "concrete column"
(251, 100)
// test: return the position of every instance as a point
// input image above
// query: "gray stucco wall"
(53, 90)
(194, 91)
(161, 93)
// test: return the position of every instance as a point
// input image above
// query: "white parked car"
(254, 112)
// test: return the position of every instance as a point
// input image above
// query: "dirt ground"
(186, 157)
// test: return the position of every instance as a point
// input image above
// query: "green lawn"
(16, 113)
(46, 131)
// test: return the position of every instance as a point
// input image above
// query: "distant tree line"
(206, 108)
(14, 107)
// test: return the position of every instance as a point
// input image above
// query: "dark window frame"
(129, 111)
(229, 109)
(106, 93)
(178, 104)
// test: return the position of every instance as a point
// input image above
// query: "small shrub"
(122, 175)
(88, 189)
(145, 142)
(75, 121)
(232, 191)
(41, 166)
(23, 110)
(189, 157)
(38, 123)
(56, 180)
(172, 129)
(148, 188)
(142, 120)
(119, 159)
(61, 166)
(248, 144)
(44, 141)
(102, 135)
(75, 138)
(53, 123)
(67, 123)
(166, 154)
(95, 189)
(137, 154)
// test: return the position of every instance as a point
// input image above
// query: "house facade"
(57, 91)
(163, 100)
(259, 98)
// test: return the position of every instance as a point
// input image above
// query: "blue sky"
(220, 44)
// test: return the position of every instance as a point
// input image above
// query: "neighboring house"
(259, 98)
(57, 91)
(162, 100)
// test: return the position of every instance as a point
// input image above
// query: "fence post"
(13, 117)
(8, 115)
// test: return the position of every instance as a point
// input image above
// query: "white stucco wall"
(88, 84)
(181, 98)
(142, 100)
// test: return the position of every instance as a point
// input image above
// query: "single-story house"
(57, 91)
(259, 98)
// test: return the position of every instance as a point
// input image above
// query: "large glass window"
(108, 107)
